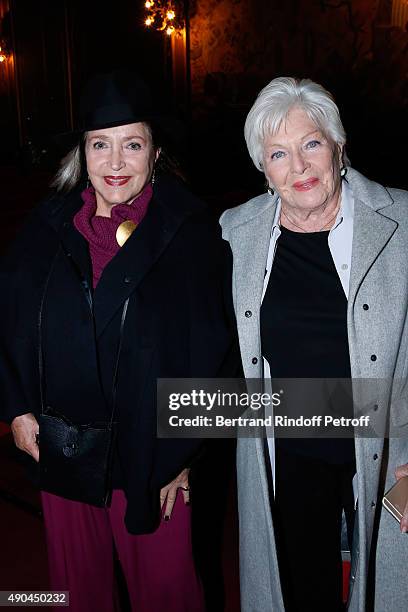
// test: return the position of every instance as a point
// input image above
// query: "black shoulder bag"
(76, 460)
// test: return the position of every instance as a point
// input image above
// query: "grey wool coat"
(379, 278)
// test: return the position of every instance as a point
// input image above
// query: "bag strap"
(116, 370)
(40, 346)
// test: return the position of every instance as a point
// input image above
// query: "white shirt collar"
(346, 211)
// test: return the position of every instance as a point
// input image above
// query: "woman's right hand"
(25, 429)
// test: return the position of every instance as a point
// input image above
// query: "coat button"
(127, 279)
(365, 307)
(373, 504)
(375, 456)
(373, 357)
(254, 360)
(375, 407)
(248, 314)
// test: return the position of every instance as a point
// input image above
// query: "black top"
(304, 333)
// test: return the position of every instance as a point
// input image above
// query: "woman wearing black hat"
(116, 280)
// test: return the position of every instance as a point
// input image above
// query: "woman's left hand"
(168, 493)
(401, 471)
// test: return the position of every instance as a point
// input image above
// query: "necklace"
(302, 228)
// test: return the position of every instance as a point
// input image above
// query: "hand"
(169, 492)
(401, 471)
(25, 428)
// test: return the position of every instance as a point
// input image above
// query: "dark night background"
(358, 49)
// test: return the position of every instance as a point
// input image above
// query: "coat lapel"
(59, 213)
(127, 269)
(76, 248)
(250, 244)
(372, 229)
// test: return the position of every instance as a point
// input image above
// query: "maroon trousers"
(158, 567)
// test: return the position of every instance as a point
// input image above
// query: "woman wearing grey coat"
(320, 288)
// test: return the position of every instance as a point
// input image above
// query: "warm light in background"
(3, 54)
(399, 14)
(165, 16)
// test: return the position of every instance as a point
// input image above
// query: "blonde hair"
(70, 170)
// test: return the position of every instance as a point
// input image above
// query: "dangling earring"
(152, 180)
(269, 189)
(343, 172)
(88, 183)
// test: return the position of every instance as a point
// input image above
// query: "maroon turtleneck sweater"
(100, 232)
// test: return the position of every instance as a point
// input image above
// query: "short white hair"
(273, 105)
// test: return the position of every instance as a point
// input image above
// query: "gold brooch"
(124, 231)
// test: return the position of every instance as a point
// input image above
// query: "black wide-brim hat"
(119, 98)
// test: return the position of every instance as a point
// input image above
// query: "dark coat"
(176, 270)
